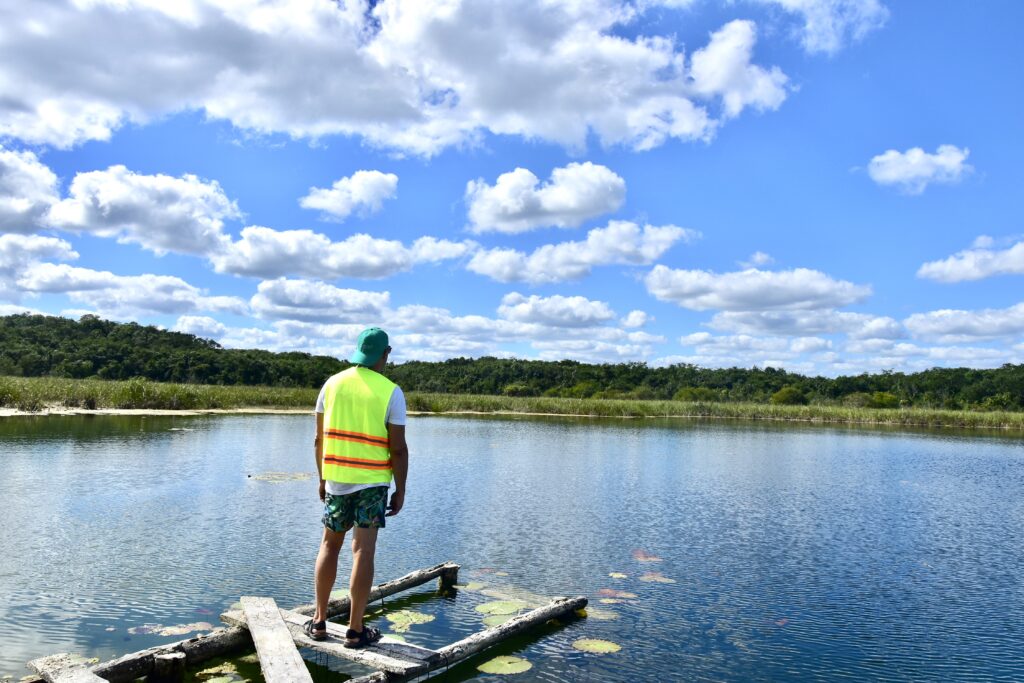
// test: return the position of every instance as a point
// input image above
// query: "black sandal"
(368, 636)
(317, 630)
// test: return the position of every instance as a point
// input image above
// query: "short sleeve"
(396, 408)
(320, 399)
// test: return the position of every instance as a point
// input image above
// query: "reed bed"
(34, 394)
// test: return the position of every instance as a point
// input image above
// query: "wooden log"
(64, 668)
(467, 647)
(386, 646)
(338, 606)
(279, 660)
(168, 667)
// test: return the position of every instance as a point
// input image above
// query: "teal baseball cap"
(370, 346)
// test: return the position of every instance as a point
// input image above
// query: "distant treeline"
(35, 345)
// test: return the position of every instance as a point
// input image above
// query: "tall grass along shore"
(36, 394)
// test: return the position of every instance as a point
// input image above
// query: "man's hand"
(323, 490)
(397, 501)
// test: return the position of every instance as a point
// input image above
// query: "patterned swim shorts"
(364, 508)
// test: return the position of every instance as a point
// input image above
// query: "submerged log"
(467, 647)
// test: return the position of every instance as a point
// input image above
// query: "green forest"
(41, 346)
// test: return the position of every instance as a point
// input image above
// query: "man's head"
(371, 347)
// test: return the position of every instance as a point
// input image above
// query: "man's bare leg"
(364, 546)
(326, 570)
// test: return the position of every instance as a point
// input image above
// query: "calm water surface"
(797, 553)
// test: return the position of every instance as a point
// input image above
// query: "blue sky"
(828, 186)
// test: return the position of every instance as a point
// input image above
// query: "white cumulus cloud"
(977, 263)
(723, 69)
(752, 289)
(556, 311)
(621, 242)
(312, 301)
(268, 253)
(912, 171)
(636, 318)
(517, 202)
(201, 326)
(27, 190)
(412, 75)
(19, 253)
(952, 326)
(831, 24)
(124, 295)
(362, 191)
(809, 322)
(158, 212)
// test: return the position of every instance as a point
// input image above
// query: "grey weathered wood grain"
(64, 668)
(279, 660)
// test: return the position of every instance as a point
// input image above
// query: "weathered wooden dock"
(276, 633)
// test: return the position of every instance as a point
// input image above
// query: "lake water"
(805, 553)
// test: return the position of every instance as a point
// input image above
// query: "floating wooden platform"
(277, 633)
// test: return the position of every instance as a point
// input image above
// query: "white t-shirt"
(395, 415)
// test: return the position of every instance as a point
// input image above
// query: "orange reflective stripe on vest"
(356, 447)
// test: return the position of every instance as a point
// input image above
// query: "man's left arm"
(399, 466)
(318, 452)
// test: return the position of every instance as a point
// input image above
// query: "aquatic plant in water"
(505, 664)
(644, 556)
(656, 577)
(612, 593)
(404, 619)
(502, 607)
(596, 646)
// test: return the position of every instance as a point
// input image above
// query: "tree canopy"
(36, 345)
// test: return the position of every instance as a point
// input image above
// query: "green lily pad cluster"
(404, 619)
(505, 665)
(596, 646)
(656, 577)
(471, 586)
(502, 607)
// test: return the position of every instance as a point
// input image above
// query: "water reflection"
(809, 552)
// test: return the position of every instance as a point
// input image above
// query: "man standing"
(360, 446)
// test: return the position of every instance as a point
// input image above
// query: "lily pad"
(619, 575)
(600, 613)
(596, 646)
(610, 601)
(656, 577)
(219, 670)
(504, 665)
(221, 679)
(183, 629)
(471, 586)
(281, 477)
(502, 607)
(644, 556)
(404, 619)
(502, 574)
(496, 619)
(612, 593)
(144, 629)
(340, 593)
(251, 658)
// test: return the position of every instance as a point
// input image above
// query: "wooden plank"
(64, 668)
(372, 656)
(279, 660)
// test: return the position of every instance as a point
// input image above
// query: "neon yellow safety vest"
(356, 448)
